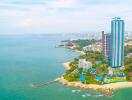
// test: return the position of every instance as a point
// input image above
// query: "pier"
(44, 84)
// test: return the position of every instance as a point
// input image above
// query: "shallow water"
(33, 59)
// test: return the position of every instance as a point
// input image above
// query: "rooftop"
(116, 18)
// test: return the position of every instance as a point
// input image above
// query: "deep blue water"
(27, 59)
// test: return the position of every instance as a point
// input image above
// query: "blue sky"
(61, 16)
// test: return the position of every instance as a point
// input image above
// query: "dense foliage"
(94, 57)
(82, 43)
(128, 62)
(128, 49)
(98, 61)
(68, 74)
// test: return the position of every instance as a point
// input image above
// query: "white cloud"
(62, 4)
(65, 16)
(25, 23)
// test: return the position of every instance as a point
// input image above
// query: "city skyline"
(61, 16)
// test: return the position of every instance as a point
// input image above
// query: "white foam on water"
(76, 91)
(73, 91)
(100, 95)
(83, 96)
(88, 94)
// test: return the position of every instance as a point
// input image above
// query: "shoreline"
(81, 52)
(66, 65)
(105, 87)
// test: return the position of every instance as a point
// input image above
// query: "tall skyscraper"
(116, 58)
(105, 43)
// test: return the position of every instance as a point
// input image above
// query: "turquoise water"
(33, 59)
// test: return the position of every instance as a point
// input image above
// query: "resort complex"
(102, 61)
(66, 50)
(116, 47)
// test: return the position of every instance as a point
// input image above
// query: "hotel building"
(116, 57)
(105, 43)
(84, 64)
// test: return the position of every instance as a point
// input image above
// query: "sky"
(62, 16)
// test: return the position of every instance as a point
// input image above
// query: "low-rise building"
(129, 55)
(94, 47)
(84, 64)
(88, 48)
(128, 43)
(71, 45)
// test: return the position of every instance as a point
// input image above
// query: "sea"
(34, 59)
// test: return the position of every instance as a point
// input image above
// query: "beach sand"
(66, 65)
(112, 86)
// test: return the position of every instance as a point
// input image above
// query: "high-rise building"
(105, 43)
(116, 58)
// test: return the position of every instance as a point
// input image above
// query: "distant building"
(70, 45)
(94, 47)
(84, 64)
(128, 36)
(116, 58)
(128, 43)
(129, 55)
(97, 47)
(105, 43)
(87, 48)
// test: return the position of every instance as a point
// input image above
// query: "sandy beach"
(66, 65)
(112, 86)
(80, 52)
